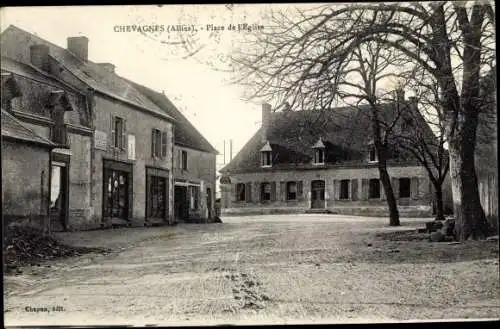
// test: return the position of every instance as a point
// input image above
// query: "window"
(184, 160)
(266, 158)
(157, 197)
(265, 192)
(240, 192)
(158, 143)
(373, 155)
(374, 191)
(404, 187)
(319, 156)
(291, 190)
(344, 189)
(194, 196)
(118, 128)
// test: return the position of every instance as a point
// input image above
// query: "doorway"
(181, 203)
(58, 209)
(116, 186)
(318, 194)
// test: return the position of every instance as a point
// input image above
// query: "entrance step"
(318, 211)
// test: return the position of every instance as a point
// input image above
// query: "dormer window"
(319, 152)
(266, 155)
(372, 157)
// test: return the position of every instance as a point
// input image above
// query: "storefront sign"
(101, 140)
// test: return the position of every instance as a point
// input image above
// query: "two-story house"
(194, 166)
(118, 144)
(322, 161)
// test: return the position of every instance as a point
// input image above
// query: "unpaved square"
(259, 269)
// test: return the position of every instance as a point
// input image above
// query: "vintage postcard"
(236, 164)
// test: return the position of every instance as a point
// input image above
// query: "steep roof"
(13, 128)
(185, 133)
(344, 131)
(15, 43)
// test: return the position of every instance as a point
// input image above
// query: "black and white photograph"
(249, 164)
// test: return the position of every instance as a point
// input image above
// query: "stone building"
(116, 165)
(323, 161)
(57, 112)
(20, 144)
(193, 165)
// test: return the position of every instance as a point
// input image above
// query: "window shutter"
(148, 196)
(164, 144)
(283, 191)
(248, 192)
(112, 130)
(364, 188)
(153, 142)
(395, 187)
(414, 187)
(300, 191)
(336, 189)
(382, 190)
(179, 154)
(256, 192)
(354, 189)
(235, 192)
(273, 191)
(124, 135)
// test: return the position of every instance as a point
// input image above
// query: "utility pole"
(230, 150)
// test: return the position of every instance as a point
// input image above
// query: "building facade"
(114, 164)
(26, 162)
(194, 167)
(321, 161)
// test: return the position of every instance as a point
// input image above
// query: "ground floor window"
(157, 197)
(265, 191)
(240, 192)
(344, 189)
(404, 187)
(374, 188)
(291, 190)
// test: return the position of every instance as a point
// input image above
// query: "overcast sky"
(153, 59)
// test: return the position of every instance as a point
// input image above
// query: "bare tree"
(302, 56)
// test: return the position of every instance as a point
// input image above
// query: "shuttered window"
(118, 132)
(240, 192)
(265, 191)
(159, 143)
(344, 189)
(374, 189)
(291, 190)
(184, 160)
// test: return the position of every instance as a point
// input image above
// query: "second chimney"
(266, 121)
(79, 46)
(39, 55)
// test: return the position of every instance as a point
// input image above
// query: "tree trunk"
(470, 220)
(439, 201)
(389, 194)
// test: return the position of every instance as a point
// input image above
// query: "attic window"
(266, 159)
(319, 152)
(266, 155)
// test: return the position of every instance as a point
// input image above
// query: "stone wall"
(25, 176)
(418, 204)
(139, 124)
(200, 169)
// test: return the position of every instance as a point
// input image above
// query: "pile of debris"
(27, 245)
(440, 230)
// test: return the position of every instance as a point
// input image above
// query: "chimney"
(40, 57)
(107, 66)
(266, 121)
(79, 46)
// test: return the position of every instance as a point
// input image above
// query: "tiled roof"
(185, 133)
(13, 128)
(345, 132)
(16, 42)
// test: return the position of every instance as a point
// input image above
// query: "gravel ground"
(267, 269)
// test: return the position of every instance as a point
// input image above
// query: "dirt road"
(272, 269)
